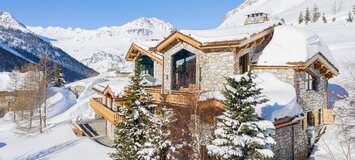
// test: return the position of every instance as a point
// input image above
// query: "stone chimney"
(257, 17)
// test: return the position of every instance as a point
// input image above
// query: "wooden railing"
(173, 96)
(105, 112)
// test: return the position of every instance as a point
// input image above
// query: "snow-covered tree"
(354, 9)
(315, 14)
(307, 16)
(300, 18)
(350, 17)
(324, 19)
(58, 78)
(138, 134)
(156, 145)
(240, 133)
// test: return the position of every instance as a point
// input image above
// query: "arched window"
(146, 65)
(184, 69)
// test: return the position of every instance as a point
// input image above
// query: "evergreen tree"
(156, 146)
(58, 78)
(315, 14)
(300, 18)
(350, 18)
(324, 19)
(134, 132)
(307, 16)
(354, 9)
(240, 134)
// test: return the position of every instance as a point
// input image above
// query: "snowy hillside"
(289, 10)
(104, 48)
(18, 45)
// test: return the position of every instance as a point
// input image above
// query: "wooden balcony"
(105, 112)
(182, 97)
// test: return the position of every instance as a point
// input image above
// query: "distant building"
(257, 17)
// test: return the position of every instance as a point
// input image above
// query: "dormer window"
(311, 82)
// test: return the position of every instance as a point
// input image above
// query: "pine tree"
(58, 78)
(324, 19)
(240, 134)
(300, 18)
(156, 145)
(315, 14)
(307, 16)
(350, 18)
(134, 133)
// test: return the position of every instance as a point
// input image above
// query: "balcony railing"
(105, 112)
(185, 97)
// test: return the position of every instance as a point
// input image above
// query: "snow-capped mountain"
(17, 42)
(288, 10)
(103, 49)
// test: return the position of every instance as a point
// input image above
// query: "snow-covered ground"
(58, 140)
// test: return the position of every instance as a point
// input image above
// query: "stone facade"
(312, 100)
(211, 67)
(110, 130)
(158, 71)
(284, 74)
(216, 67)
(291, 142)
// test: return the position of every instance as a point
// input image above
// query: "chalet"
(292, 65)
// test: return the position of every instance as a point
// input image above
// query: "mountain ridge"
(87, 45)
(15, 38)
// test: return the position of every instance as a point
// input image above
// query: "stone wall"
(211, 67)
(158, 71)
(290, 142)
(110, 130)
(217, 66)
(312, 100)
(284, 74)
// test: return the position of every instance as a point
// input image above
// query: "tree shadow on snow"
(2, 144)
(335, 93)
(51, 151)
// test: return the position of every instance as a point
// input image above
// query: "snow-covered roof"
(144, 48)
(116, 85)
(228, 34)
(292, 44)
(149, 44)
(282, 98)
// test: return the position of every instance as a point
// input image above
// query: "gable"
(135, 49)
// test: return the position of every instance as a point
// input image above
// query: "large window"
(244, 64)
(184, 69)
(311, 82)
(146, 65)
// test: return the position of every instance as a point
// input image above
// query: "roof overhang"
(323, 64)
(177, 36)
(135, 49)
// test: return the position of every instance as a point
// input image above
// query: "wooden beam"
(175, 37)
(324, 70)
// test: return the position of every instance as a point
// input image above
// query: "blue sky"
(90, 14)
